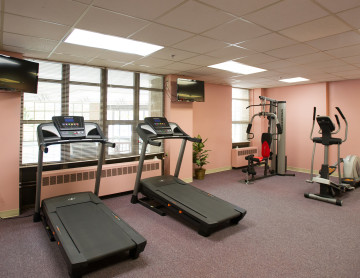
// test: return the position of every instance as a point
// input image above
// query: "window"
(116, 100)
(240, 115)
(38, 108)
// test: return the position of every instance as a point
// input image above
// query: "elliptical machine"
(328, 189)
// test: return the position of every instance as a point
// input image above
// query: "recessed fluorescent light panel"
(237, 67)
(98, 40)
(294, 80)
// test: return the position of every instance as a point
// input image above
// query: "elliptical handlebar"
(346, 123)
(337, 121)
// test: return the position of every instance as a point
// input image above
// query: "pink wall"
(345, 95)
(9, 149)
(300, 101)
(212, 120)
(182, 114)
(10, 103)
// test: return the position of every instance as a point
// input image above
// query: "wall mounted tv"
(190, 90)
(18, 75)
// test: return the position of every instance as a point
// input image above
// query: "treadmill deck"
(200, 205)
(87, 230)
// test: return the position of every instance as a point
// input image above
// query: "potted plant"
(200, 156)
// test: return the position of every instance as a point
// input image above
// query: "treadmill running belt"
(93, 232)
(199, 202)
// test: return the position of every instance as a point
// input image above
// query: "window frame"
(245, 143)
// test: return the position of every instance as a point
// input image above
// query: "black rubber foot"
(37, 217)
(134, 199)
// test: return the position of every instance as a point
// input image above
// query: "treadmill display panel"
(70, 127)
(160, 125)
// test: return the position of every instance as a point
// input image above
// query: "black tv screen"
(18, 75)
(190, 90)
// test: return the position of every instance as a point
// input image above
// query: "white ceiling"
(315, 39)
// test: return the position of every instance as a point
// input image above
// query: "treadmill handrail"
(54, 138)
(148, 135)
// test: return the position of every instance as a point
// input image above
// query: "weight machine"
(273, 141)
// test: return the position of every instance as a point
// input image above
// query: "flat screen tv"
(18, 75)
(190, 90)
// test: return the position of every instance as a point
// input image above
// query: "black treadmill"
(88, 232)
(199, 208)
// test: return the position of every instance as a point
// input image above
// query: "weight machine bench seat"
(197, 206)
(88, 231)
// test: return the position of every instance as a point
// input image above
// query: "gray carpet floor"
(282, 235)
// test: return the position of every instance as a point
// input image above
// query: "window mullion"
(135, 137)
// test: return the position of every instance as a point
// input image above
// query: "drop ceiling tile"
(111, 23)
(341, 68)
(310, 58)
(256, 59)
(321, 77)
(69, 58)
(159, 71)
(180, 66)
(105, 63)
(336, 41)
(203, 60)
(267, 42)
(160, 35)
(277, 65)
(172, 54)
(316, 29)
(139, 8)
(287, 13)
(34, 27)
(202, 71)
(77, 50)
(63, 12)
(27, 42)
(327, 65)
(231, 53)
(199, 44)
(225, 74)
(351, 16)
(237, 7)
(352, 74)
(355, 60)
(236, 31)
(84, 1)
(344, 52)
(337, 6)
(27, 53)
(194, 17)
(152, 62)
(132, 67)
(117, 56)
(291, 51)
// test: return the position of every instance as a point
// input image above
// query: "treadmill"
(87, 232)
(168, 193)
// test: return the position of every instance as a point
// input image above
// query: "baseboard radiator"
(115, 178)
(238, 156)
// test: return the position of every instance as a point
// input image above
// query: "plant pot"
(200, 173)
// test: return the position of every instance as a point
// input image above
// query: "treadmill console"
(160, 125)
(70, 127)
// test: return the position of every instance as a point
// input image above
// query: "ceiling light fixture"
(236, 67)
(294, 80)
(98, 40)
